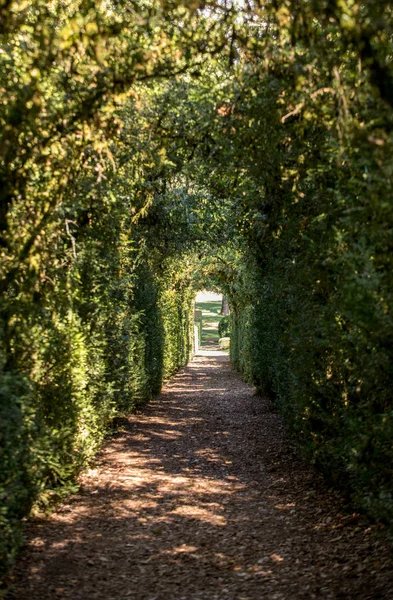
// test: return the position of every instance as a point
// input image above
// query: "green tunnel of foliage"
(150, 149)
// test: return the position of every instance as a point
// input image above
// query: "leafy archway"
(148, 149)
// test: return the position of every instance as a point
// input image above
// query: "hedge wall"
(73, 365)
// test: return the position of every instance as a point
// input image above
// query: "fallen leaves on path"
(201, 496)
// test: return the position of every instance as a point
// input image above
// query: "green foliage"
(149, 152)
(211, 316)
(312, 324)
(224, 327)
(19, 476)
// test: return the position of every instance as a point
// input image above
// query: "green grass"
(210, 315)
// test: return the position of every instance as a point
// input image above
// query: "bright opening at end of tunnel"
(210, 335)
(208, 296)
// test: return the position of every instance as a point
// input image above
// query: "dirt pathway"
(201, 497)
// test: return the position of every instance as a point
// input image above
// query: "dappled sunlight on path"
(201, 496)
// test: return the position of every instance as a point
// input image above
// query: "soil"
(201, 495)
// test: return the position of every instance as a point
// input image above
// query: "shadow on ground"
(202, 496)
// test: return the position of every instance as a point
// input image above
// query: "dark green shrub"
(224, 327)
(21, 468)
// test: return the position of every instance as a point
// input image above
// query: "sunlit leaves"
(149, 148)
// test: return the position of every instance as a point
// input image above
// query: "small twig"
(67, 222)
(299, 107)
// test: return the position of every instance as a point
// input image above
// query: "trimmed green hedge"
(75, 367)
(329, 372)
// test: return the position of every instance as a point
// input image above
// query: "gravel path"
(201, 496)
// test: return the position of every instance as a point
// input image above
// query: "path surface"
(201, 497)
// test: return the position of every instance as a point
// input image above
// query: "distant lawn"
(210, 319)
